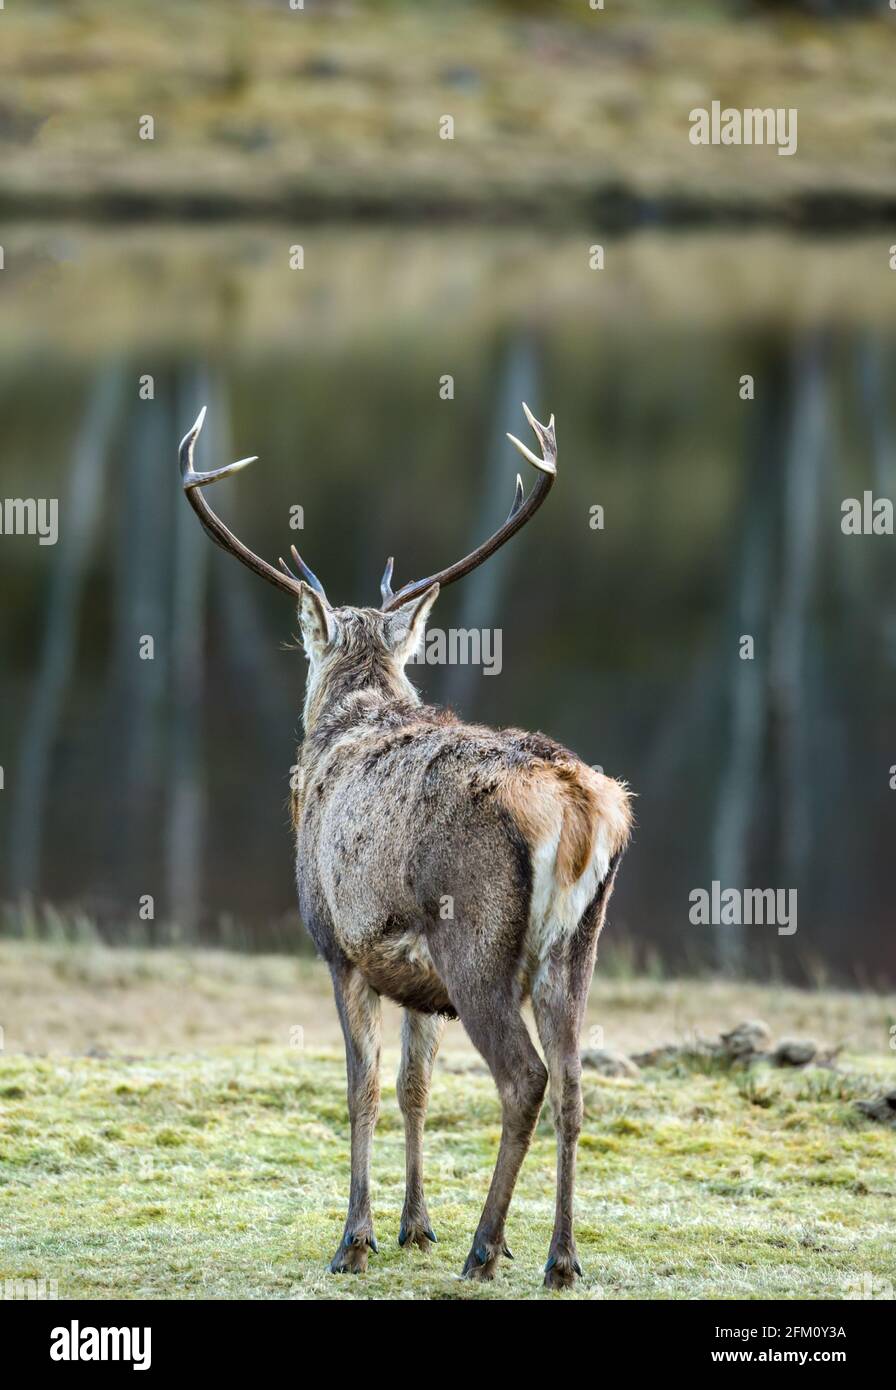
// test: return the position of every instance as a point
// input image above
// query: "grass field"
(173, 1125)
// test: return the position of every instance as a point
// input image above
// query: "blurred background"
(169, 259)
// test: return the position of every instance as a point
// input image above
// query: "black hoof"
(482, 1260)
(417, 1235)
(561, 1273)
(351, 1257)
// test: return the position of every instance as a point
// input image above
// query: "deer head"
(342, 642)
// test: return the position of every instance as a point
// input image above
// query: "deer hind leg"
(559, 1019)
(359, 1013)
(497, 1030)
(559, 998)
(420, 1038)
(521, 1079)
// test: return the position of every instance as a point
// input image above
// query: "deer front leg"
(359, 1013)
(420, 1038)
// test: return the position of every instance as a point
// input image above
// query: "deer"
(457, 870)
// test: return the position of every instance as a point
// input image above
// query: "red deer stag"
(455, 869)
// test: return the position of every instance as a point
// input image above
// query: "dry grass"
(206, 285)
(339, 106)
(73, 999)
(196, 1153)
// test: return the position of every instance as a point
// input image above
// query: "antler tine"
(386, 581)
(194, 482)
(517, 498)
(188, 473)
(304, 570)
(547, 439)
(521, 512)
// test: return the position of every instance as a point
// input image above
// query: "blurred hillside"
(335, 109)
(723, 516)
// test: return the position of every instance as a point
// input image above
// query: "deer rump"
(428, 851)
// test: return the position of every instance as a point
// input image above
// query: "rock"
(463, 1066)
(791, 1052)
(750, 1039)
(881, 1108)
(749, 1042)
(674, 1052)
(656, 1056)
(601, 1059)
(462, 76)
(323, 67)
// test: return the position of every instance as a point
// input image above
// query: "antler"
(193, 483)
(522, 509)
(386, 581)
(519, 514)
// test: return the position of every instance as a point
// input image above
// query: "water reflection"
(150, 700)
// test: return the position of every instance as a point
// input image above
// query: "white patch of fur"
(411, 947)
(541, 917)
(555, 911)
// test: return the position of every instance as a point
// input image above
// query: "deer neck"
(337, 707)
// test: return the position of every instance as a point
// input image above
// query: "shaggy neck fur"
(350, 680)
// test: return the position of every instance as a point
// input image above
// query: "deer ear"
(407, 626)
(315, 620)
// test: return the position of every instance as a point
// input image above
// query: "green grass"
(205, 1169)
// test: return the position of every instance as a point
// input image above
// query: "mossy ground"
(214, 1163)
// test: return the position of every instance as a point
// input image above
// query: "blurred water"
(126, 777)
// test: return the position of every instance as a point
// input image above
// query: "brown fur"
(532, 800)
(580, 813)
